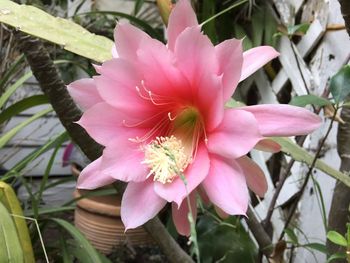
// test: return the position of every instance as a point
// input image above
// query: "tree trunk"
(345, 10)
(339, 212)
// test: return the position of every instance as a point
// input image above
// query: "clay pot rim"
(104, 205)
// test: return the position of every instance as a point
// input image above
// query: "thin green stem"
(223, 12)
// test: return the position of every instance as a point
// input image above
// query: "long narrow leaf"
(82, 242)
(35, 154)
(301, 155)
(9, 199)
(22, 105)
(10, 236)
(9, 135)
(9, 91)
(11, 71)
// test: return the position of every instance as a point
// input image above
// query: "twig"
(280, 184)
(259, 233)
(307, 177)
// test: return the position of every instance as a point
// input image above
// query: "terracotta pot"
(98, 218)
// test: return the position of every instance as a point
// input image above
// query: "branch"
(53, 87)
(259, 233)
(169, 246)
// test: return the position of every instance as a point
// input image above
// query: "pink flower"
(159, 111)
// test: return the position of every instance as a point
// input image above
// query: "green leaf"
(208, 10)
(9, 198)
(336, 256)
(301, 155)
(304, 100)
(65, 33)
(35, 154)
(337, 238)
(10, 90)
(258, 27)
(232, 242)
(292, 236)
(317, 246)
(301, 28)
(234, 5)
(10, 244)
(82, 242)
(138, 5)
(270, 28)
(66, 258)
(140, 23)
(8, 135)
(340, 84)
(234, 104)
(241, 34)
(11, 71)
(22, 105)
(45, 211)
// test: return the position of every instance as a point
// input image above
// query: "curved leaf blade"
(337, 238)
(9, 135)
(9, 237)
(22, 105)
(84, 244)
(302, 101)
(9, 199)
(69, 35)
(340, 84)
(301, 155)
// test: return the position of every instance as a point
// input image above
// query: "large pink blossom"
(159, 111)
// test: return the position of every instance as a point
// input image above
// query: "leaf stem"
(223, 12)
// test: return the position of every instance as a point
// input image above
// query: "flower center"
(166, 157)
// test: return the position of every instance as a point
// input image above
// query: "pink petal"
(180, 215)
(209, 100)
(268, 145)
(181, 17)
(226, 187)
(127, 40)
(102, 122)
(117, 86)
(229, 54)
(114, 52)
(195, 174)
(255, 58)
(197, 60)
(84, 92)
(161, 76)
(284, 120)
(139, 204)
(235, 136)
(254, 175)
(122, 159)
(195, 56)
(91, 177)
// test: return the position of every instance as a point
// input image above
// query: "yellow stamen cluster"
(166, 157)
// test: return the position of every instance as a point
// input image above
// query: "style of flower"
(159, 111)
